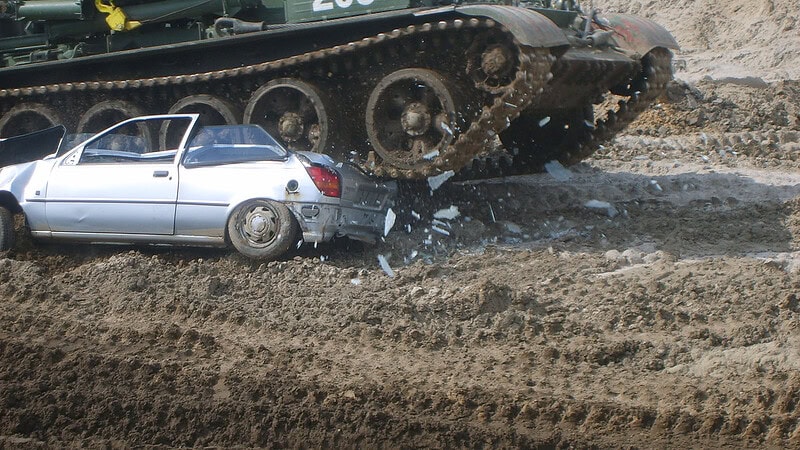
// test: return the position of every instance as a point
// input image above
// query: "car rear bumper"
(320, 222)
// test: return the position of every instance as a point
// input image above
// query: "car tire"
(262, 229)
(6, 229)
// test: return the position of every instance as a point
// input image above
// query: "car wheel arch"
(9, 201)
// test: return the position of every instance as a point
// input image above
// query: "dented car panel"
(119, 187)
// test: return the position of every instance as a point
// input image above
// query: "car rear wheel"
(262, 229)
(6, 229)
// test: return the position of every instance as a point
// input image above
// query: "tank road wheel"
(262, 229)
(295, 112)
(411, 117)
(491, 63)
(107, 113)
(6, 229)
(213, 111)
(110, 112)
(27, 118)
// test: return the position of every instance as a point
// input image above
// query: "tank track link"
(656, 73)
(532, 74)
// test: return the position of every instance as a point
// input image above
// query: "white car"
(168, 180)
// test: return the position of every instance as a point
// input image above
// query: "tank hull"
(460, 76)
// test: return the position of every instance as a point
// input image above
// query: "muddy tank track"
(581, 141)
(656, 74)
(529, 81)
(497, 110)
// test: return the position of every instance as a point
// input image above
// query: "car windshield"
(230, 144)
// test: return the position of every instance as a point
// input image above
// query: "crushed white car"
(166, 179)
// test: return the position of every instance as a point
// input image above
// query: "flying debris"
(385, 266)
(431, 155)
(557, 171)
(440, 230)
(437, 180)
(448, 214)
(389, 222)
(601, 206)
(654, 184)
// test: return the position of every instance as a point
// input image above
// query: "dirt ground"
(647, 298)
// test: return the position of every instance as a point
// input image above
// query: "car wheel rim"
(259, 226)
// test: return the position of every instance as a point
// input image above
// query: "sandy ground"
(649, 300)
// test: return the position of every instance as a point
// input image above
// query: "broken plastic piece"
(655, 185)
(385, 266)
(606, 207)
(437, 180)
(439, 223)
(389, 222)
(512, 228)
(447, 128)
(557, 171)
(440, 230)
(448, 214)
(431, 155)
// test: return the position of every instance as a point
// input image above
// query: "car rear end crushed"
(352, 204)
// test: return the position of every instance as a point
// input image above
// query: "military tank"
(404, 88)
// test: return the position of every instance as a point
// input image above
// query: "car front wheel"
(262, 229)
(6, 229)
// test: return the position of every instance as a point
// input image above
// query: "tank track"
(529, 81)
(656, 73)
(532, 74)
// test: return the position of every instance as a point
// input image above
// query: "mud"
(648, 300)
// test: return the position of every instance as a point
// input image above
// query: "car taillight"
(326, 180)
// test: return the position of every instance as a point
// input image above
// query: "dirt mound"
(738, 41)
(668, 316)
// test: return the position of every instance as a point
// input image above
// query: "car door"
(121, 182)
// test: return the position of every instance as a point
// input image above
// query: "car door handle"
(160, 173)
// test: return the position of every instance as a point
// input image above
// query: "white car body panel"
(132, 200)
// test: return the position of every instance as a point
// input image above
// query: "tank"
(405, 89)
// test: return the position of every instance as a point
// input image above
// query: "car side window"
(136, 142)
(229, 144)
